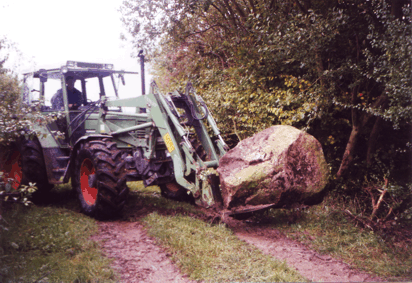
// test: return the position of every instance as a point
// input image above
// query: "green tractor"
(105, 140)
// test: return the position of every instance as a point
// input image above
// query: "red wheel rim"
(89, 193)
(13, 169)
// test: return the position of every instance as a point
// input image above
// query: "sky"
(50, 32)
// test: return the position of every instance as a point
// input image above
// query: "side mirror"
(43, 76)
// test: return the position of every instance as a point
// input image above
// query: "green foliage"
(340, 70)
(21, 195)
(17, 118)
(213, 254)
(391, 66)
(243, 59)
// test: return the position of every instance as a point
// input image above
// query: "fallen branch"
(378, 204)
(363, 222)
(235, 128)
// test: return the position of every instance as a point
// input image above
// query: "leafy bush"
(17, 118)
(340, 70)
(18, 196)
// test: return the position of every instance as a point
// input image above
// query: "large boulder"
(280, 166)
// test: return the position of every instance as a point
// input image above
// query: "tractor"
(170, 140)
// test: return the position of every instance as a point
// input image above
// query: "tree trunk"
(359, 120)
(349, 152)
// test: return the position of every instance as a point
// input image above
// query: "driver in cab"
(74, 96)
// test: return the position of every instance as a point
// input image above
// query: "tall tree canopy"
(341, 69)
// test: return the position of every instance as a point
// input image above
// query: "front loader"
(163, 140)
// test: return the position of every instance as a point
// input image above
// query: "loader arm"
(190, 170)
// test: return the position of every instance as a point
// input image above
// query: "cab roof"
(79, 70)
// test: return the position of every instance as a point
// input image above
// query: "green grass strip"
(212, 253)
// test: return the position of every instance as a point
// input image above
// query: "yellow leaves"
(331, 140)
(296, 83)
(276, 111)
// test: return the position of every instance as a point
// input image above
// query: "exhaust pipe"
(141, 56)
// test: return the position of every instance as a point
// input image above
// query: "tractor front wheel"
(99, 178)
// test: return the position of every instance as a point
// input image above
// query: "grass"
(208, 253)
(213, 254)
(149, 199)
(329, 231)
(50, 244)
(324, 228)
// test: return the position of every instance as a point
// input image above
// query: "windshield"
(32, 89)
(85, 83)
(93, 90)
(53, 85)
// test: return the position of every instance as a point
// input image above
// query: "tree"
(16, 120)
(340, 69)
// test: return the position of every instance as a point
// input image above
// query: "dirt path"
(315, 267)
(138, 259)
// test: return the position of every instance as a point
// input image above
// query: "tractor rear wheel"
(24, 162)
(99, 178)
(10, 164)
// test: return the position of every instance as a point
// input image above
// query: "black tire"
(33, 166)
(99, 178)
(24, 162)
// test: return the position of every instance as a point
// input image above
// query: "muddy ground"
(138, 258)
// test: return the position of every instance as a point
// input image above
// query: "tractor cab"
(75, 89)
(92, 80)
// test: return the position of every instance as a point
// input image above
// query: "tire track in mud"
(136, 257)
(310, 264)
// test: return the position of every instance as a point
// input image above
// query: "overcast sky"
(50, 32)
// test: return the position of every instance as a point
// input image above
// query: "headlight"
(64, 69)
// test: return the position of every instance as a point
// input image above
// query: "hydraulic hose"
(93, 105)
